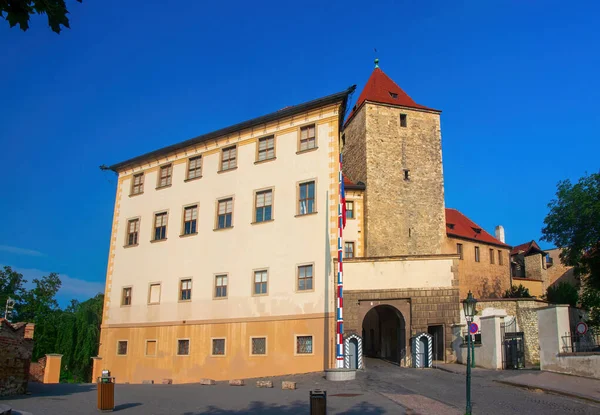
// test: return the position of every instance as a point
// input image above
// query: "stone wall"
(403, 216)
(16, 347)
(419, 307)
(36, 370)
(535, 269)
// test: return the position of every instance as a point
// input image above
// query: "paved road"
(378, 390)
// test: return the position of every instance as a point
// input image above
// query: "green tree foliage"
(517, 292)
(18, 12)
(11, 285)
(563, 293)
(590, 300)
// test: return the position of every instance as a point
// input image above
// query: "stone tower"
(393, 145)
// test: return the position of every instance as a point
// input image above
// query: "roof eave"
(466, 238)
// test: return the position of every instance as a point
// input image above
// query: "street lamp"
(469, 309)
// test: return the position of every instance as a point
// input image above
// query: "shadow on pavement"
(294, 408)
(126, 406)
(59, 389)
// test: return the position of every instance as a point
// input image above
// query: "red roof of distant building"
(349, 184)
(460, 226)
(380, 88)
(526, 247)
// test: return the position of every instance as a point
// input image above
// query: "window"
(260, 282)
(308, 139)
(402, 120)
(190, 219)
(164, 178)
(185, 289)
(459, 250)
(477, 254)
(266, 148)
(304, 345)
(150, 347)
(229, 158)
(305, 277)
(394, 95)
(137, 184)
(500, 259)
(183, 347)
(126, 297)
(194, 170)
(306, 200)
(133, 231)
(221, 286)
(491, 256)
(349, 250)
(160, 226)
(406, 174)
(263, 206)
(349, 210)
(224, 213)
(122, 347)
(259, 345)
(218, 347)
(154, 294)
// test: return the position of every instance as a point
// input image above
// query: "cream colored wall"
(279, 245)
(353, 232)
(398, 273)
(535, 287)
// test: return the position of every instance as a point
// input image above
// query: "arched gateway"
(384, 334)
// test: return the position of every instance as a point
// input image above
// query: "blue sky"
(517, 82)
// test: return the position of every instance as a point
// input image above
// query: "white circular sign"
(581, 328)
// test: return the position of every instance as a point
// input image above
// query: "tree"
(573, 224)
(517, 292)
(11, 285)
(563, 293)
(18, 12)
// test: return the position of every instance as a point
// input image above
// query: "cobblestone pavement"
(381, 389)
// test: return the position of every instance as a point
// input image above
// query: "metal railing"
(581, 343)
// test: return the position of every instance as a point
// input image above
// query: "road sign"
(581, 328)
(473, 328)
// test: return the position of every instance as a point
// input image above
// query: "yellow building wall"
(484, 279)
(353, 232)
(535, 287)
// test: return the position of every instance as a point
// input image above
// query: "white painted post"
(553, 323)
(491, 342)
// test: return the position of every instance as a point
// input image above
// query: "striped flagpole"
(339, 331)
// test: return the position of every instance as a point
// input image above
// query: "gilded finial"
(376, 62)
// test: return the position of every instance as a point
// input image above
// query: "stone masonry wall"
(15, 356)
(354, 149)
(535, 269)
(36, 370)
(427, 307)
(405, 217)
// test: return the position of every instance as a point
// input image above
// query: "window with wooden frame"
(150, 347)
(218, 347)
(403, 120)
(500, 259)
(160, 226)
(133, 232)
(348, 249)
(185, 289)
(122, 347)
(259, 346)
(165, 176)
(183, 347)
(224, 213)
(190, 220)
(229, 158)
(263, 206)
(266, 148)
(305, 277)
(459, 250)
(194, 168)
(349, 210)
(306, 198)
(126, 296)
(477, 258)
(154, 294)
(308, 138)
(261, 282)
(221, 286)
(137, 184)
(491, 256)
(304, 344)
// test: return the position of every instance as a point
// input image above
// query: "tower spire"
(376, 63)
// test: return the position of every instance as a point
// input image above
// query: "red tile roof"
(349, 184)
(460, 226)
(526, 247)
(379, 88)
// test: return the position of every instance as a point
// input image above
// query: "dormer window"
(394, 95)
(450, 225)
(477, 230)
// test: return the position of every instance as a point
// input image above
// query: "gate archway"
(384, 334)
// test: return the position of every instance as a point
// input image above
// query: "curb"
(549, 390)
(443, 369)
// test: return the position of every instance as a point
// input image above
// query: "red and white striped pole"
(339, 332)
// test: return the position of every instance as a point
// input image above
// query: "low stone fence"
(36, 370)
(16, 347)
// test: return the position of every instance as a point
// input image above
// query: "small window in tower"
(406, 174)
(402, 120)
(394, 95)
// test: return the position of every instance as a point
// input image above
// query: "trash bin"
(106, 392)
(318, 402)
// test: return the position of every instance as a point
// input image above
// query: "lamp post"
(469, 309)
